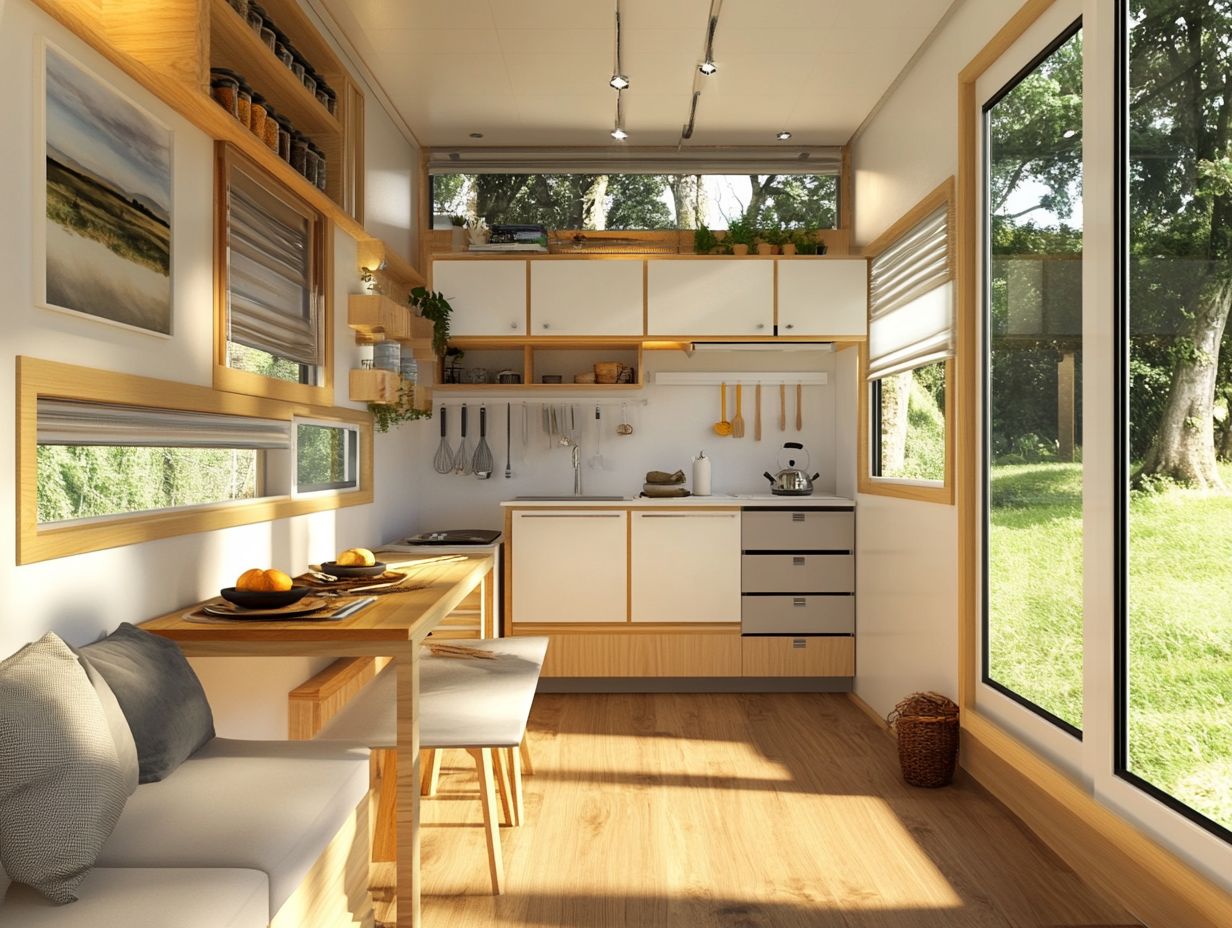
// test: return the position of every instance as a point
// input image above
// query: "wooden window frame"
(322, 261)
(941, 492)
(54, 380)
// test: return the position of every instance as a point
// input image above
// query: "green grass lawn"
(1180, 577)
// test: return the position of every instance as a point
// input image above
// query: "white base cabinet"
(570, 566)
(685, 567)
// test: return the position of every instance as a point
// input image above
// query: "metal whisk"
(443, 462)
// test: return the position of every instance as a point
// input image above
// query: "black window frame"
(985, 361)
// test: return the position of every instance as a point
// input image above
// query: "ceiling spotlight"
(708, 67)
(783, 136)
(618, 82)
(619, 134)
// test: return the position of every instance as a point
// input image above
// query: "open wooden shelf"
(376, 317)
(536, 387)
(372, 385)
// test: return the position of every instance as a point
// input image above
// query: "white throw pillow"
(62, 785)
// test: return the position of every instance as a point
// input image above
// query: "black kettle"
(792, 480)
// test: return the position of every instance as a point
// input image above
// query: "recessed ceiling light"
(619, 134)
(618, 82)
(708, 68)
(476, 135)
(783, 136)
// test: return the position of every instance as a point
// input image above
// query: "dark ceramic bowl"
(264, 599)
(342, 572)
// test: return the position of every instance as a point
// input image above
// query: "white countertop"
(717, 499)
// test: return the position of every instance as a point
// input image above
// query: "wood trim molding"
(941, 195)
(1102, 848)
(37, 378)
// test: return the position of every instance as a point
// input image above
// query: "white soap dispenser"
(701, 474)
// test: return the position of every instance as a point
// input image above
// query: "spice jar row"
(278, 43)
(255, 113)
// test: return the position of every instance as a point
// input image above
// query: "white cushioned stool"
(478, 705)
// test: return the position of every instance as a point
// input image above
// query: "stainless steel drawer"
(798, 573)
(798, 615)
(798, 530)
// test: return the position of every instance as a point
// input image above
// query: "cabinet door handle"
(513, 325)
(570, 515)
(687, 515)
(760, 325)
(797, 562)
(797, 517)
(789, 326)
(547, 325)
(799, 601)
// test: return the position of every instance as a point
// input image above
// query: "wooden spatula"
(799, 408)
(738, 420)
(782, 407)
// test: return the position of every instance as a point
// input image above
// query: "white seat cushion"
(137, 898)
(463, 702)
(271, 806)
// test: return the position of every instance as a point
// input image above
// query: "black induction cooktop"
(457, 536)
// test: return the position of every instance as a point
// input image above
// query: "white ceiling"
(535, 72)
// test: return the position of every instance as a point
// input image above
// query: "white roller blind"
(64, 422)
(911, 300)
(621, 160)
(269, 270)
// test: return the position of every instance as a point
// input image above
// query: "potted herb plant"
(704, 241)
(458, 229)
(740, 236)
(433, 306)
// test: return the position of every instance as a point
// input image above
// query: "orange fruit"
(263, 580)
(356, 557)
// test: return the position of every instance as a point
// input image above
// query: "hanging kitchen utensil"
(624, 428)
(565, 426)
(483, 454)
(462, 457)
(723, 427)
(598, 461)
(508, 441)
(799, 407)
(525, 428)
(738, 419)
(443, 462)
(757, 415)
(782, 407)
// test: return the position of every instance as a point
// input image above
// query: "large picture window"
(1174, 639)
(1033, 534)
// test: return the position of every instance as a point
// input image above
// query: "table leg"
(408, 787)
(488, 598)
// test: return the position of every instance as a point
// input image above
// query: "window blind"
(272, 307)
(65, 422)
(910, 318)
(621, 160)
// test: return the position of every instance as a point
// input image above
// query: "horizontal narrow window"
(326, 457)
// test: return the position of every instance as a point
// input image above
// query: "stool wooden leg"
(503, 788)
(513, 757)
(430, 764)
(384, 831)
(524, 749)
(491, 830)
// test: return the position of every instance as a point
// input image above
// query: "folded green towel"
(663, 478)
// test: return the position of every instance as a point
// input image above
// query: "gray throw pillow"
(61, 784)
(161, 697)
(121, 734)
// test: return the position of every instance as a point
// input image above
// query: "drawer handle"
(571, 515)
(799, 601)
(797, 562)
(687, 515)
(797, 517)
(798, 643)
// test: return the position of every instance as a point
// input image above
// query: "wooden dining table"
(394, 626)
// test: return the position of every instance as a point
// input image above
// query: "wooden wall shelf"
(372, 385)
(376, 317)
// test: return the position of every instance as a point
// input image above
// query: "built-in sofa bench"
(241, 834)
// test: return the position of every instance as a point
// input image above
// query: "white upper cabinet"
(714, 296)
(488, 297)
(823, 297)
(586, 297)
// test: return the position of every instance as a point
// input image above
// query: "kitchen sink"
(565, 499)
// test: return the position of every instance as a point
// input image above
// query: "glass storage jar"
(311, 163)
(257, 116)
(299, 152)
(310, 81)
(240, 6)
(255, 18)
(331, 102)
(387, 355)
(271, 133)
(224, 88)
(285, 131)
(282, 49)
(243, 104)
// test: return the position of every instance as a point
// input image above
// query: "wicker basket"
(927, 728)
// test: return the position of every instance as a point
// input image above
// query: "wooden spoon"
(757, 416)
(799, 411)
(782, 407)
(738, 420)
(723, 427)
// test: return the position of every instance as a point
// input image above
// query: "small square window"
(326, 457)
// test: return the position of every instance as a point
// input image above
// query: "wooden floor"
(737, 811)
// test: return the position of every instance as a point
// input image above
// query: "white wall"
(907, 623)
(391, 172)
(674, 425)
(84, 596)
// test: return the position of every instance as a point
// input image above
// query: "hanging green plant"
(387, 415)
(433, 306)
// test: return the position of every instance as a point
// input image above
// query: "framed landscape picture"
(105, 228)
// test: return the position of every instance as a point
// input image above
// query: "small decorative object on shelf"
(927, 728)
(478, 232)
(458, 238)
